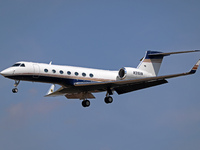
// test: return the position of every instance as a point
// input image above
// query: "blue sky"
(102, 34)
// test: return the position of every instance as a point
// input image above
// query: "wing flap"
(79, 96)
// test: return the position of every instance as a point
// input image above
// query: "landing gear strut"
(108, 99)
(86, 103)
(15, 90)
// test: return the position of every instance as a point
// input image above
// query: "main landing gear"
(15, 90)
(86, 103)
(108, 99)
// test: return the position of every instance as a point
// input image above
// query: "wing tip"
(195, 67)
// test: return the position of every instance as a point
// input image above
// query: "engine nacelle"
(130, 73)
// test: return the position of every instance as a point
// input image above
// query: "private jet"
(81, 83)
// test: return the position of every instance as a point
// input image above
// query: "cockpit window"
(16, 65)
(22, 65)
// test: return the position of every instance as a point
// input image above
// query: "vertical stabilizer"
(151, 63)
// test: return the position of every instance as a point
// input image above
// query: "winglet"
(194, 69)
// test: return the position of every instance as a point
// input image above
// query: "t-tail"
(152, 61)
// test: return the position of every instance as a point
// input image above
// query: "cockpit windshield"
(22, 65)
(18, 64)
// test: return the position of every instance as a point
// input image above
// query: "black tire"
(86, 103)
(15, 90)
(108, 100)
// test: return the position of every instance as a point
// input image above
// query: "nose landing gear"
(15, 90)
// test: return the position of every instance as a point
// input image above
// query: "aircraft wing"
(120, 86)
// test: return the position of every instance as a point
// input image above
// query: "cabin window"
(83, 74)
(91, 75)
(22, 65)
(76, 73)
(54, 71)
(16, 65)
(61, 72)
(68, 72)
(46, 70)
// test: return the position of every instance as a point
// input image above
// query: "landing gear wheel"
(108, 99)
(15, 90)
(86, 103)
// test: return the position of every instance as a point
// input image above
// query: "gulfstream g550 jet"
(81, 83)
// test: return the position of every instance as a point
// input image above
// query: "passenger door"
(36, 70)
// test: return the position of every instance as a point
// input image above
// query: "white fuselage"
(64, 75)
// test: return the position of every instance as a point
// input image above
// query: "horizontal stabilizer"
(166, 54)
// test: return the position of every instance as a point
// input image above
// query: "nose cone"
(7, 72)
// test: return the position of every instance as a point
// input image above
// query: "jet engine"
(130, 73)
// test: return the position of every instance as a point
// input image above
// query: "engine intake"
(129, 73)
(122, 73)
